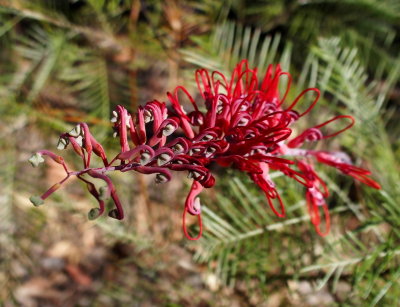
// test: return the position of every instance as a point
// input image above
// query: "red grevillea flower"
(242, 122)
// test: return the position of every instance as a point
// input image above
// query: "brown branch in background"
(71, 115)
(100, 39)
(169, 50)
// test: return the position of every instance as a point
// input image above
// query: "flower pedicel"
(241, 123)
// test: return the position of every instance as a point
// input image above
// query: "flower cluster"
(242, 123)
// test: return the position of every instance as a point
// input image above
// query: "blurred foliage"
(65, 61)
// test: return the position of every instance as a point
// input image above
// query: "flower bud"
(145, 158)
(250, 136)
(194, 151)
(243, 122)
(93, 213)
(114, 119)
(168, 130)
(114, 214)
(207, 137)
(177, 148)
(36, 159)
(210, 151)
(160, 178)
(76, 131)
(194, 175)
(36, 200)
(127, 122)
(148, 117)
(62, 143)
(163, 159)
(79, 140)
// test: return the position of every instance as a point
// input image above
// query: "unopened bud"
(36, 200)
(113, 213)
(128, 123)
(194, 174)
(163, 158)
(243, 122)
(210, 151)
(36, 159)
(114, 119)
(93, 213)
(168, 130)
(76, 131)
(207, 137)
(145, 158)
(79, 140)
(177, 148)
(160, 178)
(148, 117)
(62, 143)
(194, 151)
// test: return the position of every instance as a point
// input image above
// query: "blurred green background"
(66, 61)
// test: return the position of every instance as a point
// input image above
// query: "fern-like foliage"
(231, 42)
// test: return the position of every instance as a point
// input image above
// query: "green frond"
(87, 75)
(231, 42)
(242, 220)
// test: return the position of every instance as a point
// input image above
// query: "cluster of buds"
(242, 123)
